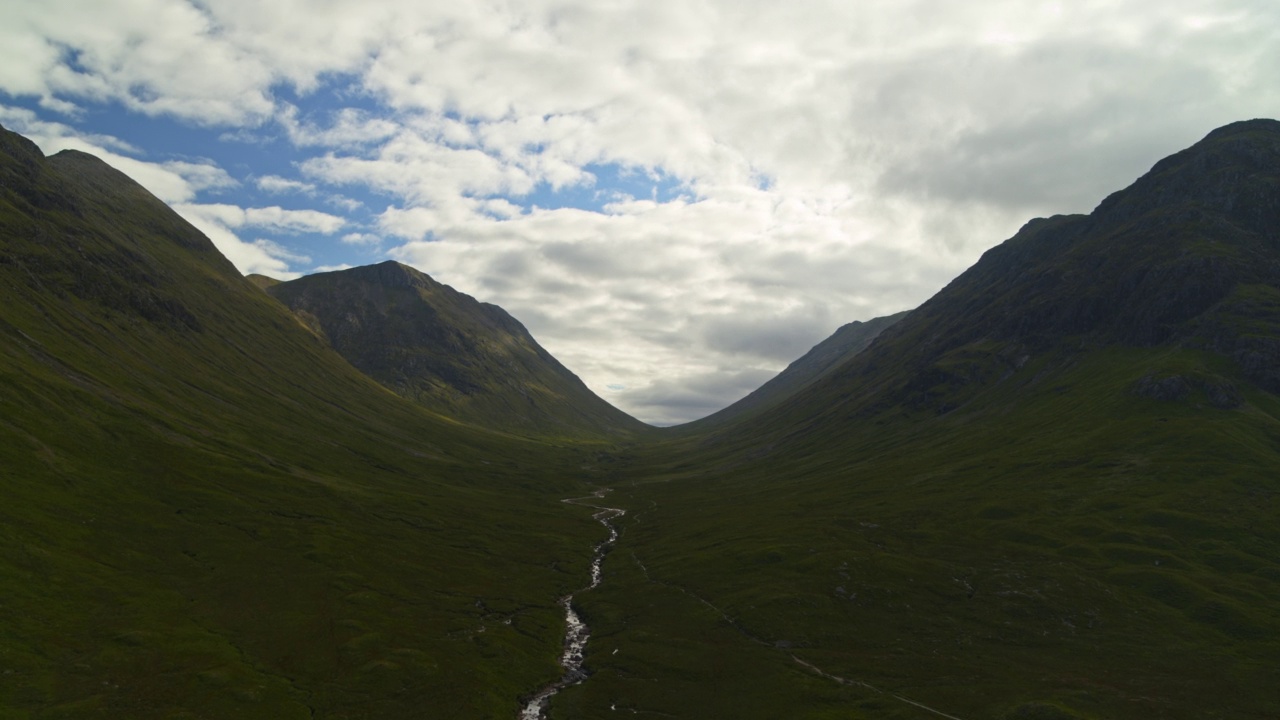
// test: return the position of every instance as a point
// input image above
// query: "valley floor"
(1046, 566)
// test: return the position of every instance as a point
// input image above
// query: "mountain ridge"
(1150, 262)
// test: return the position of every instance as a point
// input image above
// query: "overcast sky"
(677, 198)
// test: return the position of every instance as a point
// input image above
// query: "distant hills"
(825, 357)
(437, 346)
(1048, 493)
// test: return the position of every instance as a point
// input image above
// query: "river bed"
(576, 633)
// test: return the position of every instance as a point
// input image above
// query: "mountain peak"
(447, 351)
(392, 274)
(25, 152)
(1231, 173)
(95, 173)
(1242, 127)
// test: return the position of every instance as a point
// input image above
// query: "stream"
(577, 633)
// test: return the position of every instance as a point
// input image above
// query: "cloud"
(279, 252)
(152, 56)
(331, 268)
(419, 169)
(270, 218)
(262, 257)
(348, 128)
(278, 185)
(671, 401)
(221, 222)
(343, 203)
(201, 175)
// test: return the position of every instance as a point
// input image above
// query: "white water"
(577, 633)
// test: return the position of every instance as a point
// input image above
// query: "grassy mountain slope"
(828, 355)
(444, 349)
(206, 512)
(1049, 492)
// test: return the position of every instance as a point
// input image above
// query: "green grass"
(1019, 556)
(194, 547)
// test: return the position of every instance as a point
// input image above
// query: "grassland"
(1068, 549)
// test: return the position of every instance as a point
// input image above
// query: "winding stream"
(577, 633)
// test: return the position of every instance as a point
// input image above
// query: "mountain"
(843, 344)
(460, 357)
(206, 512)
(1049, 492)
(1185, 258)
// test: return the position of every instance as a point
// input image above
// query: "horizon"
(677, 201)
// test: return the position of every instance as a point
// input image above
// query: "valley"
(1048, 493)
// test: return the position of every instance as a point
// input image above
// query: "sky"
(676, 197)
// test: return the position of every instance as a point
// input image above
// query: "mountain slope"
(826, 356)
(457, 356)
(1049, 492)
(207, 512)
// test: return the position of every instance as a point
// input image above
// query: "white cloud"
(153, 56)
(422, 171)
(221, 221)
(269, 218)
(201, 176)
(279, 252)
(361, 239)
(277, 185)
(349, 128)
(343, 203)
